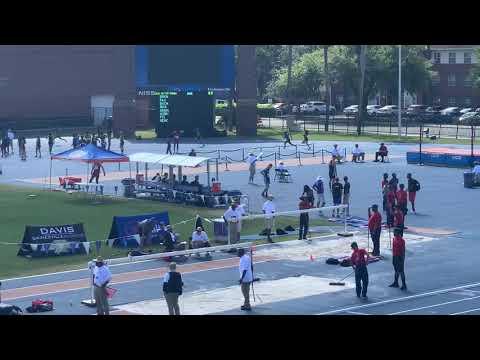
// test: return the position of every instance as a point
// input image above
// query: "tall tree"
(362, 59)
(327, 85)
(289, 73)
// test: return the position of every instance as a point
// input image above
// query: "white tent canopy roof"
(169, 160)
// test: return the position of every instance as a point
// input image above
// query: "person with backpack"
(320, 189)
(266, 179)
(172, 288)
(398, 259)
(359, 260)
(413, 187)
(337, 190)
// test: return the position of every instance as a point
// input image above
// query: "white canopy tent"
(171, 161)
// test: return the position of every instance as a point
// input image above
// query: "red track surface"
(448, 151)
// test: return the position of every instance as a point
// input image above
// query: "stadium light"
(399, 91)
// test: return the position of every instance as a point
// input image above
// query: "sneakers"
(393, 285)
(245, 308)
(404, 287)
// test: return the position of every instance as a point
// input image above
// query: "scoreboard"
(182, 110)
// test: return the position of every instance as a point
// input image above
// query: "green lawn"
(58, 208)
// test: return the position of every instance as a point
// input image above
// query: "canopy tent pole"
(208, 173)
(50, 173)
(130, 168)
(170, 174)
(146, 171)
(137, 168)
(179, 174)
(216, 169)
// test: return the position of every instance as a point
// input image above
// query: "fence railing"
(373, 126)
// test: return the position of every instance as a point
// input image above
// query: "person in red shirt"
(398, 259)
(359, 261)
(398, 219)
(375, 228)
(304, 218)
(402, 199)
(390, 198)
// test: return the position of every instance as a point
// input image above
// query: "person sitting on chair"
(164, 179)
(382, 152)
(336, 153)
(358, 154)
(192, 153)
(282, 171)
(157, 177)
(184, 180)
(195, 181)
(200, 240)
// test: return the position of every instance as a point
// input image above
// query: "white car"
(466, 110)
(388, 110)
(318, 107)
(372, 109)
(475, 115)
(352, 109)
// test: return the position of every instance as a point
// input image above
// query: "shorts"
(411, 196)
(346, 199)
(337, 200)
(269, 223)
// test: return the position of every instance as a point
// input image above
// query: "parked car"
(450, 111)
(416, 110)
(316, 107)
(466, 110)
(468, 117)
(433, 112)
(350, 110)
(372, 110)
(388, 110)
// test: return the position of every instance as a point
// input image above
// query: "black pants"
(94, 176)
(381, 154)
(50, 146)
(303, 230)
(169, 149)
(398, 267)
(361, 280)
(376, 241)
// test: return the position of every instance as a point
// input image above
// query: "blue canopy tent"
(88, 154)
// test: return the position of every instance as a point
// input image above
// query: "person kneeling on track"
(200, 240)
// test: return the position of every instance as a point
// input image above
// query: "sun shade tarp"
(168, 160)
(90, 154)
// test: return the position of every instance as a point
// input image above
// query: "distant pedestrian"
(375, 228)
(252, 163)
(109, 139)
(305, 138)
(97, 166)
(391, 202)
(332, 171)
(398, 259)
(246, 278)
(103, 142)
(38, 147)
(172, 289)
(51, 141)
(287, 139)
(359, 261)
(101, 278)
(169, 145)
(269, 210)
(337, 189)
(176, 141)
(122, 143)
(304, 218)
(266, 179)
(198, 137)
(320, 189)
(346, 195)
(413, 187)
(11, 137)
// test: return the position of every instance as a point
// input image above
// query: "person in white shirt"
(246, 277)
(232, 218)
(200, 240)
(11, 136)
(358, 154)
(336, 153)
(252, 161)
(476, 171)
(281, 166)
(269, 209)
(241, 212)
(101, 278)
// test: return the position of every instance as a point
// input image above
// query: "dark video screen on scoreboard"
(184, 111)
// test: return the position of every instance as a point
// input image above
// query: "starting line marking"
(399, 299)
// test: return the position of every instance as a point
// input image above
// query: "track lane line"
(434, 305)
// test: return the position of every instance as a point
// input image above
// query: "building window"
(451, 101)
(468, 81)
(467, 58)
(436, 57)
(468, 101)
(452, 81)
(452, 58)
(435, 80)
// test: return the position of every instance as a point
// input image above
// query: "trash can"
(468, 179)
(220, 230)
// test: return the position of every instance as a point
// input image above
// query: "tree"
(289, 72)
(475, 72)
(327, 85)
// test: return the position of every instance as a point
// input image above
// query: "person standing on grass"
(332, 171)
(359, 261)
(346, 195)
(287, 139)
(97, 166)
(398, 259)
(122, 143)
(320, 189)
(375, 228)
(246, 278)
(337, 189)
(169, 144)
(269, 210)
(413, 187)
(252, 163)
(51, 141)
(402, 199)
(304, 218)
(172, 289)
(101, 278)
(266, 179)
(38, 146)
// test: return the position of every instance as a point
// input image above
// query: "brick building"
(452, 86)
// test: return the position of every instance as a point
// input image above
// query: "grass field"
(58, 208)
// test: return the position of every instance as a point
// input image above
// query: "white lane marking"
(403, 298)
(219, 300)
(356, 313)
(465, 312)
(435, 305)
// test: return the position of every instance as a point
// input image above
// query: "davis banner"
(51, 240)
(124, 231)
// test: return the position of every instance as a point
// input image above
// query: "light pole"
(472, 137)
(421, 138)
(399, 90)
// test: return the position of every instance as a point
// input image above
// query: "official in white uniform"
(200, 240)
(269, 209)
(101, 278)
(252, 161)
(246, 278)
(232, 218)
